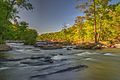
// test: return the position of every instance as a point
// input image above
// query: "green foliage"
(3, 11)
(1, 41)
(107, 24)
(19, 31)
(29, 36)
(8, 12)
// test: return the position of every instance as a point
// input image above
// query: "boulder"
(4, 47)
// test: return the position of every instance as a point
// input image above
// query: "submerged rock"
(68, 48)
(48, 59)
(78, 67)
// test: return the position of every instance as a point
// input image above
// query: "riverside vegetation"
(10, 28)
(100, 24)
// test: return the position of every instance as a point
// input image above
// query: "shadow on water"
(3, 76)
(3, 55)
(104, 67)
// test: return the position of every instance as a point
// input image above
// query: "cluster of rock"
(96, 46)
(90, 46)
(48, 45)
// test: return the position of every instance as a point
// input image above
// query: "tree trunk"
(95, 32)
(99, 34)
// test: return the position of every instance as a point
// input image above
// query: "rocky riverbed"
(30, 63)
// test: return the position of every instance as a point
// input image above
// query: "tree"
(3, 11)
(107, 18)
(89, 7)
(64, 32)
(30, 36)
(23, 26)
(9, 11)
(79, 23)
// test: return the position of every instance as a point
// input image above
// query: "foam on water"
(90, 59)
(84, 54)
(4, 68)
(58, 57)
(20, 50)
(109, 54)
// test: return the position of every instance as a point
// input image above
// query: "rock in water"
(78, 67)
(4, 47)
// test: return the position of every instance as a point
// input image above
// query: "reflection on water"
(3, 76)
(104, 68)
(3, 55)
(29, 63)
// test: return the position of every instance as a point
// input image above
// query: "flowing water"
(30, 63)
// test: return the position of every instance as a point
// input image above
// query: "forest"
(10, 28)
(101, 23)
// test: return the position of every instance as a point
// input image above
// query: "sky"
(50, 15)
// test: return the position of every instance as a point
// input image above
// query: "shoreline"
(99, 47)
(109, 50)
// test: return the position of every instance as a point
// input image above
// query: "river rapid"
(30, 63)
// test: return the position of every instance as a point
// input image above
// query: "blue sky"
(50, 15)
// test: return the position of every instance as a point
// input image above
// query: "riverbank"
(4, 47)
(90, 46)
(87, 45)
